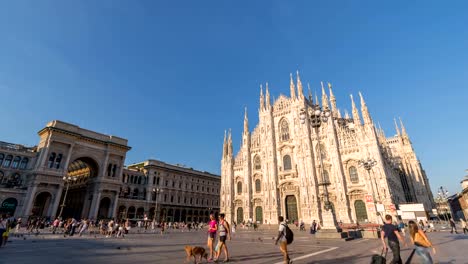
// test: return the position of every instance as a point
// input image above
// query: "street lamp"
(156, 192)
(442, 196)
(317, 117)
(67, 180)
(367, 164)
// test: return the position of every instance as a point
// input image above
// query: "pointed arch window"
(23, 164)
(287, 162)
(257, 163)
(258, 185)
(239, 187)
(353, 174)
(51, 160)
(2, 157)
(16, 162)
(284, 130)
(7, 162)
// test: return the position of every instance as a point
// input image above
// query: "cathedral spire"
(338, 113)
(262, 99)
(365, 111)
(229, 147)
(356, 117)
(292, 87)
(224, 145)
(300, 93)
(396, 127)
(403, 129)
(324, 98)
(267, 97)
(346, 114)
(246, 122)
(332, 100)
(311, 100)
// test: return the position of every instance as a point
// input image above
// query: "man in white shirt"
(282, 240)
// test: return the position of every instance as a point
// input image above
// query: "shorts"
(211, 235)
(2, 230)
(222, 239)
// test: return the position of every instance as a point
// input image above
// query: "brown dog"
(195, 251)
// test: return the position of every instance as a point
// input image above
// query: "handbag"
(419, 240)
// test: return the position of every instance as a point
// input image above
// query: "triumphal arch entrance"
(77, 173)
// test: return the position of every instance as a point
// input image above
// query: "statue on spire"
(332, 100)
(299, 86)
(262, 99)
(324, 98)
(396, 127)
(267, 97)
(310, 94)
(365, 111)
(356, 117)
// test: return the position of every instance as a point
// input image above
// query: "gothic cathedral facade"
(277, 170)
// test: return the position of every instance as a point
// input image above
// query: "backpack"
(289, 234)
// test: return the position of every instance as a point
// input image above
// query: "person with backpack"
(285, 237)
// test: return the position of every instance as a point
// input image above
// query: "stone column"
(29, 203)
(95, 205)
(114, 207)
(55, 206)
(67, 161)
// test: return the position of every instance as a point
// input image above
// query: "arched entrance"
(140, 213)
(259, 214)
(131, 212)
(76, 181)
(361, 212)
(8, 206)
(121, 214)
(41, 204)
(291, 208)
(177, 215)
(240, 215)
(104, 208)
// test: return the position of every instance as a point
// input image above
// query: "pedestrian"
(390, 232)
(55, 225)
(282, 240)
(313, 227)
(463, 225)
(401, 226)
(224, 232)
(421, 243)
(453, 226)
(3, 229)
(213, 228)
(84, 227)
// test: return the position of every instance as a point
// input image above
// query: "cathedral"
(346, 168)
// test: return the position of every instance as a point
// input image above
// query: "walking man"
(282, 240)
(453, 226)
(463, 225)
(390, 232)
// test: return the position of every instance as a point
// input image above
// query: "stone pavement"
(250, 247)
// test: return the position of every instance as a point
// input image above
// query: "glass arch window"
(257, 163)
(258, 186)
(16, 162)
(7, 161)
(287, 162)
(239, 187)
(284, 130)
(353, 175)
(58, 161)
(24, 163)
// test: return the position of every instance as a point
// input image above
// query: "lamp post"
(67, 180)
(156, 192)
(317, 117)
(442, 196)
(367, 164)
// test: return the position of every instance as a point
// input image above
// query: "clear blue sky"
(171, 76)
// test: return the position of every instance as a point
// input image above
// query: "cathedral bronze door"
(291, 208)
(240, 215)
(361, 212)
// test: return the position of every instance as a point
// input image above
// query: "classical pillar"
(29, 203)
(67, 161)
(95, 205)
(54, 208)
(105, 165)
(114, 207)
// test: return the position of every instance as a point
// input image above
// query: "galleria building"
(277, 170)
(74, 172)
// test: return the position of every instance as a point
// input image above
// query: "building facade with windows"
(277, 170)
(81, 173)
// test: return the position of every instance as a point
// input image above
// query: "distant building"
(34, 180)
(277, 169)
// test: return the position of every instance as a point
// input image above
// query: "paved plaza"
(247, 246)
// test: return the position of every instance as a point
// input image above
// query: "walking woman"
(421, 243)
(213, 228)
(224, 232)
